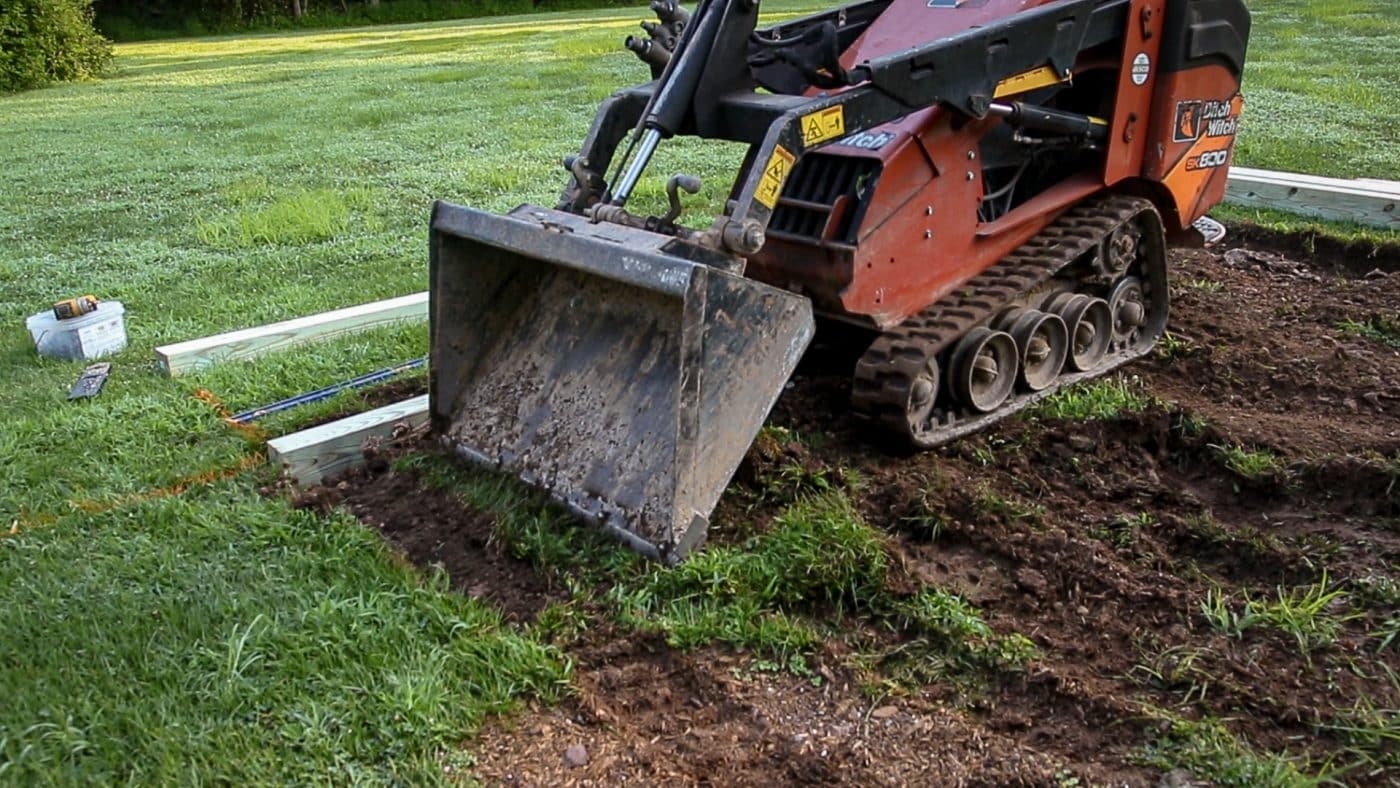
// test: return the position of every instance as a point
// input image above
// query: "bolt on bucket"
(585, 359)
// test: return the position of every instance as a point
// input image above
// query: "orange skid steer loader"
(986, 187)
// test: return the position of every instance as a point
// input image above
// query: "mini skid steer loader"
(987, 186)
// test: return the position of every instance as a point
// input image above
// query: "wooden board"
(1365, 201)
(313, 454)
(195, 354)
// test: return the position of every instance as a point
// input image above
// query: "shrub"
(43, 41)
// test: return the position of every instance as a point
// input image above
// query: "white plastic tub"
(97, 333)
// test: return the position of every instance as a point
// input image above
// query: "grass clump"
(1306, 614)
(1245, 541)
(951, 639)
(1097, 399)
(1372, 736)
(1171, 347)
(1380, 328)
(1191, 425)
(1387, 635)
(818, 555)
(1209, 751)
(1178, 668)
(925, 517)
(1250, 464)
(777, 594)
(1010, 508)
(1122, 531)
(785, 472)
(301, 217)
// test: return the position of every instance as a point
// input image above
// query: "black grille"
(813, 189)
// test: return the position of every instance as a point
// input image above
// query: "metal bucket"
(593, 362)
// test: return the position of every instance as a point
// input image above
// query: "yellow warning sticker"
(775, 174)
(1027, 81)
(823, 125)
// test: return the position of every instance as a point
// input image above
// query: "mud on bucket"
(590, 362)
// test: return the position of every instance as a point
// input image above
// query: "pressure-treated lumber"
(183, 357)
(1365, 201)
(314, 454)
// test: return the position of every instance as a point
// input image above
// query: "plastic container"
(97, 333)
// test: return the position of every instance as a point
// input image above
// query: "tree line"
(126, 20)
(46, 41)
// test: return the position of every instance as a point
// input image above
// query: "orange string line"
(252, 432)
(26, 521)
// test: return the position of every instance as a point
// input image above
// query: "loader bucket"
(585, 359)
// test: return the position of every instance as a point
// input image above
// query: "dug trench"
(1200, 554)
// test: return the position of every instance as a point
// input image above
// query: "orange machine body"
(876, 226)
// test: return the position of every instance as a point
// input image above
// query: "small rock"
(1081, 443)
(1350, 404)
(1081, 611)
(1031, 581)
(884, 712)
(1238, 257)
(1376, 273)
(1176, 778)
(576, 755)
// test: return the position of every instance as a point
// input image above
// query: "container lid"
(106, 310)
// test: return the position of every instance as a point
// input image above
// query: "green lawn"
(1322, 86)
(221, 183)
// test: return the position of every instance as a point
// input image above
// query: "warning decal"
(774, 176)
(827, 124)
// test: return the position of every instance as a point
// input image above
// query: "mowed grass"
(163, 622)
(1322, 84)
(1321, 87)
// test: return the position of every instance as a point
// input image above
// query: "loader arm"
(961, 72)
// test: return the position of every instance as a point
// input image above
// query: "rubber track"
(888, 369)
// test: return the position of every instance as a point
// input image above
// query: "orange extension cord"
(252, 433)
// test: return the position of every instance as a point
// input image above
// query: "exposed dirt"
(648, 715)
(1099, 540)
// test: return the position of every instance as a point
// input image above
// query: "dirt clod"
(1032, 581)
(576, 755)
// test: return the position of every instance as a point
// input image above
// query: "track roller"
(1090, 327)
(1087, 295)
(923, 393)
(1128, 308)
(1042, 341)
(983, 369)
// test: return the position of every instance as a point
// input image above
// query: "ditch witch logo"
(1215, 118)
